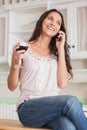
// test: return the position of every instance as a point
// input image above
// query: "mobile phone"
(59, 38)
(21, 47)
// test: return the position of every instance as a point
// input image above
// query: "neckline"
(37, 55)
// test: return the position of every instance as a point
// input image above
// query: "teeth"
(52, 29)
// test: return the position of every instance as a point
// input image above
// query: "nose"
(53, 23)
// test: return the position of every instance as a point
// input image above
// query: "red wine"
(21, 47)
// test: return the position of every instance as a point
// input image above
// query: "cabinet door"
(66, 10)
(21, 24)
(75, 17)
(3, 37)
(81, 22)
(77, 29)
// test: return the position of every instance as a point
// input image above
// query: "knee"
(72, 103)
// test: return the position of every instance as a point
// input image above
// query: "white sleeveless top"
(38, 78)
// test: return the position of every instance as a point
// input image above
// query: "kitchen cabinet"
(21, 24)
(75, 16)
(24, 14)
(21, 18)
(3, 36)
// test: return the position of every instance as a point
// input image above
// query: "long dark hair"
(52, 46)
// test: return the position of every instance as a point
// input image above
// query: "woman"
(46, 69)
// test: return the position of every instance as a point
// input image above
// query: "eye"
(58, 23)
(50, 18)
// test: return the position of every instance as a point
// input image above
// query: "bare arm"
(62, 74)
(13, 77)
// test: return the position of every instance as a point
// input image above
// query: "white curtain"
(2, 36)
(82, 29)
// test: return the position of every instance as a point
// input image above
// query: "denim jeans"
(55, 112)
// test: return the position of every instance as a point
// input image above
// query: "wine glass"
(22, 46)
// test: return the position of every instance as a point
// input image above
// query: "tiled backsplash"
(8, 111)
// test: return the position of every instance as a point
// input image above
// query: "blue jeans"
(55, 112)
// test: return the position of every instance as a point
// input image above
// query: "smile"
(50, 28)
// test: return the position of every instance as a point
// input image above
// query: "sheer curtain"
(2, 36)
(82, 29)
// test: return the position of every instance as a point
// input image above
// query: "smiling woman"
(52, 24)
(46, 69)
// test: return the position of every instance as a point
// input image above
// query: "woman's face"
(51, 24)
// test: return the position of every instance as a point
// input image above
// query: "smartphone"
(21, 47)
(59, 38)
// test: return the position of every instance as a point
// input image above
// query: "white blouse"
(38, 77)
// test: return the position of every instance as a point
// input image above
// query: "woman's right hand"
(17, 55)
(13, 77)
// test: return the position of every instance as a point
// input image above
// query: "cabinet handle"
(73, 46)
(69, 46)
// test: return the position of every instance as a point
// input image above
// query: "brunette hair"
(52, 46)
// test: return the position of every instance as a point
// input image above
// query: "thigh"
(61, 123)
(37, 112)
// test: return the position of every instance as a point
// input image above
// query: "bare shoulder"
(31, 43)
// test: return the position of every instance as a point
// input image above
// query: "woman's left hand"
(60, 43)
